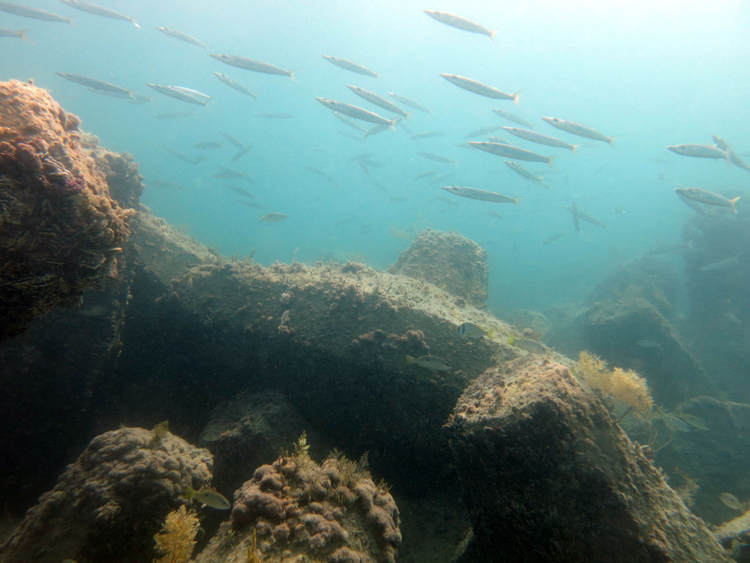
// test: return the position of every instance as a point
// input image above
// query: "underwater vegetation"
(626, 387)
(176, 540)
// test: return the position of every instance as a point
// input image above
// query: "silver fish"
(182, 36)
(12, 33)
(578, 129)
(483, 131)
(273, 218)
(166, 185)
(94, 83)
(99, 11)
(229, 173)
(322, 174)
(179, 93)
(709, 198)
(721, 265)
(578, 214)
(275, 115)
(380, 101)
(232, 83)
(732, 156)
(539, 138)
(698, 151)
(408, 102)
(355, 112)
(513, 117)
(526, 173)
(194, 93)
(510, 151)
(482, 195)
(477, 87)
(32, 13)
(460, 23)
(173, 115)
(427, 135)
(350, 66)
(425, 174)
(252, 64)
(183, 157)
(243, 192)
(348, 121)
(437, 157)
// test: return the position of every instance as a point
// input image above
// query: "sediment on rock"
(547, 475)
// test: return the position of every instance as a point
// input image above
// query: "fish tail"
(409, 359)
(291, 76)
(516, 200)
(611, 141)
(550, 160)
(392, 123)
(189, 493)
(490, 333)
(492, 34)
(511, 340)
(136, 24)
(733, 201)
(574, 149)
(517, 97)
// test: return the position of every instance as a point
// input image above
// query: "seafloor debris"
(108, 505)
(61, 231)
(450, 261)
(548, 476)
(297, 510)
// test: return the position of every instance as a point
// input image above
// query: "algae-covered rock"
(108, 505)
(448, 260)
(61, 228)
(296, 510)
(548, 476)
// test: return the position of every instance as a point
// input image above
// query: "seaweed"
(626, 387)
(177, 537)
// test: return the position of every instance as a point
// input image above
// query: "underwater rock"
(108, 505)
(633, 334)
(301, 511)
(735, 537)
(548, 476)
(450, 261)
(648, 278)
(340, 355)
(715, 458)
(61, 229)
(717, 268)
(249, 429)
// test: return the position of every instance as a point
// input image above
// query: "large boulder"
(107, 506)
(548, 476)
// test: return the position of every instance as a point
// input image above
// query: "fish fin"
(733, 201)
(409, 359)
(517, 97)
(490, 333)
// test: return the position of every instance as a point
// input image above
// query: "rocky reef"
(108, 505)
(61, 228)
(450, 261)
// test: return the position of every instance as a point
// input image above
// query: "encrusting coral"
(176, 541)
(61, 228)
(333, 512)
(622, 386)
(108, 505)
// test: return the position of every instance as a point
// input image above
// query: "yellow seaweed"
(623, 386)
(176, 540)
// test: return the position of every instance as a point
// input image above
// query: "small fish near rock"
(273, 218)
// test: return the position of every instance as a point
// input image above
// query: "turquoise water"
(651, 74)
